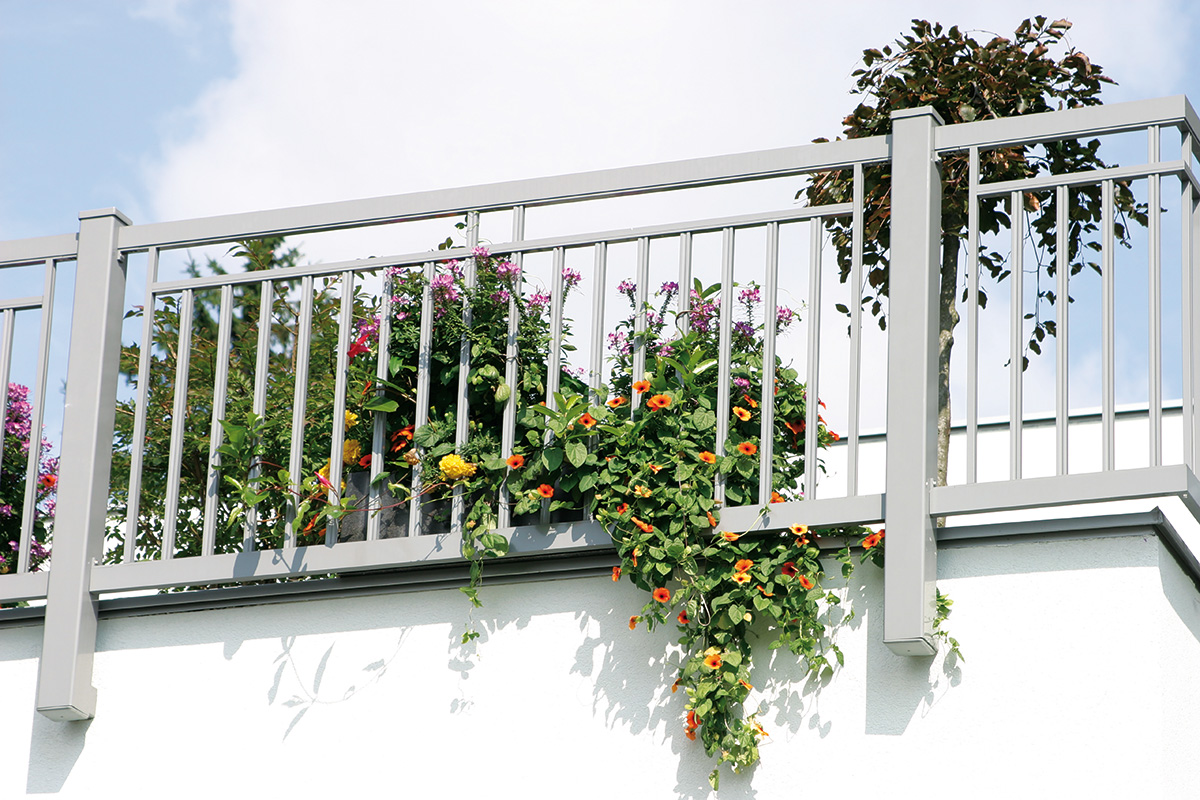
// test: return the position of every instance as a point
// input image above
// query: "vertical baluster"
(812, 388)
(216, 432)
(337, 437)
(1107, 347)
(1154, 265)
(299, 405)
(766, 450)
(725, 347)
(508, 434)
(262, 369)
(138, 444)
(856, 284)
(1063, 269)
(973, 317)
(683, 300)
(178, 422)
(7, 330)
(36, 415)
(379, 429)
(1016, 329)
(640, 334)
(462, 417)
(424, 365)
(599, 289)
(554, 365)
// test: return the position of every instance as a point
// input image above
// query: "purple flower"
(627, 288)
(508, 271)
(570, 278)
(538, 300)
(784, 317)
(480, 252)
(443, 289)
(619, 343)
(6, 510)
(455, 268)
(750, 296)
(501, 296)
(670, 289)
(744, 330)
(666, 350)
(741, 383)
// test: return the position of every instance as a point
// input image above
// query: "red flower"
(805, 582)
(789, 569)
(707, 457)
(662, 595)
(750, 401)
(621, 509)
(683, 619)
(515, 461)
(747, 448)
(587, 420)
(641, 386)
(546, 491)
(365, 461)
(359, 347)
(616, 573)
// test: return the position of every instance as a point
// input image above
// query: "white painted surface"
(1080, 683)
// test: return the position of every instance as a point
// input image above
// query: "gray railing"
(106, 240)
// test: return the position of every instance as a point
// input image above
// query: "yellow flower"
(324, 473)
(455, 468)
(351, 452)
(351, 418)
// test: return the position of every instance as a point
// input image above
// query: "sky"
(170, 109)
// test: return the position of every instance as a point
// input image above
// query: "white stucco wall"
(1080, 682)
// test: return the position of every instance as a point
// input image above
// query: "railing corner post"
(910, 572)
(65, 690)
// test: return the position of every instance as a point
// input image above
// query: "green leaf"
(381, 403)
(576, 453)
(552, 458)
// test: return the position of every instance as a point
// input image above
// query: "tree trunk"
(947, 319)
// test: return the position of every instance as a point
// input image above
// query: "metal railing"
(106, 241)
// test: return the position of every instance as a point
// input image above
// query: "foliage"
(964, 80)
(17, 436)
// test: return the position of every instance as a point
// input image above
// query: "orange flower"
(776, 497)
(796, 428)
(641, 491)
(662, 595)
(621, 509)
(730, 536)
(871, 541)
(805, 582)
(683, 620)
(617, 402)
(692, 722)
(741, 413)
(587, 420)
(515, 461)
(49, 481)
(674, 687)
(798, 530)
(546, 490)
(707, 457)
(743, 683)
(658, 401)
(758, 728)
(789, 568)
(690, 733)
(641, 386)
(747, 448)
(713, 661)
(750, 401)
(645, 527)
(764, 591)
(655, 468)
(711, 519)
(616, 573)
(743, 565)
(633, 622)
(740, 578)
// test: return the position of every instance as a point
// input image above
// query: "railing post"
(911, 567)
(65, 690)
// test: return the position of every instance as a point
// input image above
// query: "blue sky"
(171, 109)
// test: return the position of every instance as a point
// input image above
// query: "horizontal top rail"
(619, 182)
(508, 248)
(1069, 124)
(36, 250)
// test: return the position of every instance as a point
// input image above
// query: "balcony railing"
(103, 546)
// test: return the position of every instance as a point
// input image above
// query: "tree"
(965, 81)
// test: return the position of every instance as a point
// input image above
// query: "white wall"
(1080, 682)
